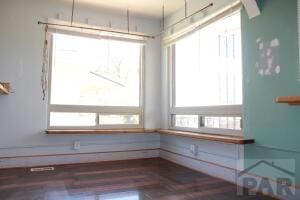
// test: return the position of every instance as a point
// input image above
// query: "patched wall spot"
(268, 63)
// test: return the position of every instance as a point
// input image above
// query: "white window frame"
(98, 110)
(213, 111)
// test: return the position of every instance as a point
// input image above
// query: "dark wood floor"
(120, 180)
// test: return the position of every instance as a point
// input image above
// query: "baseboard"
(227, 174)
(218, 171)
(46, 160)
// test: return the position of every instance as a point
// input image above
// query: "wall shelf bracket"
(4, 88)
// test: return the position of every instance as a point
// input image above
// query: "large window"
(207, 78)
(95, 83)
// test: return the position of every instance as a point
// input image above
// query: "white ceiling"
(146, 8)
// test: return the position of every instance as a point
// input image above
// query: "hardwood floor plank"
(144, 179)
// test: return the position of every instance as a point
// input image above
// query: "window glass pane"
(72, 119)
(208, 65)
(188, 121)
(118, 119)
(97, 72)
(233, 123)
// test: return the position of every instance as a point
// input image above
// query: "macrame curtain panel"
(45, 66)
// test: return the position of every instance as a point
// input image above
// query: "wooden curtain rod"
(98, 29)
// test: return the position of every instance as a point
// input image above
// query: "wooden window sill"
(203, 136)
(211, 137)
(100, 132)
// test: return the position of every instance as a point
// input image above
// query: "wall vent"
(42, 169)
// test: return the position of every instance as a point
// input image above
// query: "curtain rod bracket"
(191, 15)
(163, 17)
(185, 8)
(128, 25)
(72, 15)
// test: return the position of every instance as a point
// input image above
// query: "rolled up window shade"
(204, 21)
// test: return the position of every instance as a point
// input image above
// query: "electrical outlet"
(194, 149)
(76, 145)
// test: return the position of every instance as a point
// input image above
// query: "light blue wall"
(215, 158)
(23, 114)
(275, 127)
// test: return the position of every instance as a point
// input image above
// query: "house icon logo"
(277, 180)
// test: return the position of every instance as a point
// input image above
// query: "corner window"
(206, 78)
(95, 83)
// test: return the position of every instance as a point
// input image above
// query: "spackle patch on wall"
(268, 62)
